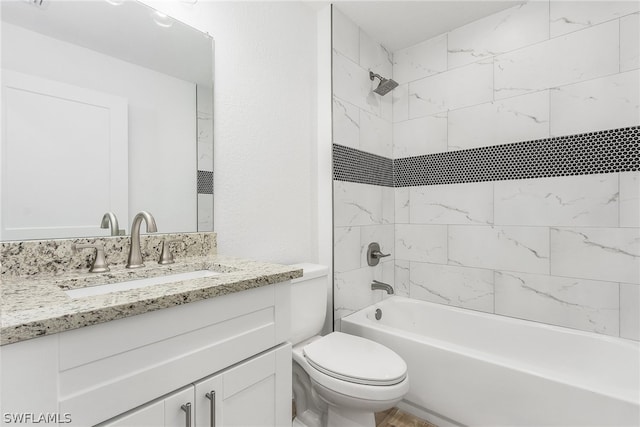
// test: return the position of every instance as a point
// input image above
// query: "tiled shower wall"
(362, 130)
(532, 228)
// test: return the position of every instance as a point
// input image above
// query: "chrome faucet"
(135, 254)
(375, 285)
(110, 221)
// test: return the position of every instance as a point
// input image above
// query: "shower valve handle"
(378, 254)
(374, 254)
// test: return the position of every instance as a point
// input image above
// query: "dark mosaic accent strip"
(359, 166)
(205, 182)
(608, 151)
(615, 150)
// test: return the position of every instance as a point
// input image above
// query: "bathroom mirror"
(106, 106)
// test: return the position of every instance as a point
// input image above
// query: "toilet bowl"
(339, 380)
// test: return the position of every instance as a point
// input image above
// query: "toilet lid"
(355, 359)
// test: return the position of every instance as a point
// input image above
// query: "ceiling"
(399, 24)
(130, 31)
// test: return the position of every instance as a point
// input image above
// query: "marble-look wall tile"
(470, 203)
(356, 204)
(346, 247)
(204, 100)
(513, 28)
(515, 119)
(576, 303)
(381, 234)
(572, 58)
(457, 88)
(605, 103)
(385, 103)
(205, 212)
(388, 205)
(402, 204)
(425, 243)
(458, 286)
(205, 156)
(375, 57)
(611, 254)
(523, 249)
(346, 35)
(630, 199)
(587, 200)
(630, 42)
(630, 311)
(346, 123)
(400, 97)
(352, 289)
(567, 16)
(376, 135)
(402, 278)
(350, 81)
(421, 60)
(424, 135)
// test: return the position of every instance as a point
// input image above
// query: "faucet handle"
(374, 254)
(99, 264)
(166, 257)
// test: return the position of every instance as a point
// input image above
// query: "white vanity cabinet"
(253, 393)
(131, 368)
(171, 411)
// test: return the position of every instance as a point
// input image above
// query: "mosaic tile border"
(350, 164)
(608, 151)
(205, 182)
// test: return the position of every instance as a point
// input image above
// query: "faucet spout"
(135, 253)
(110, 221)
(375, 285)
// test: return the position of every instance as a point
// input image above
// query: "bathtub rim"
(618, 393)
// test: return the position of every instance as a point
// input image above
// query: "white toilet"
(339, 380)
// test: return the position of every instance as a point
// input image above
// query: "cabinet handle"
(187, 409)
(212, 397)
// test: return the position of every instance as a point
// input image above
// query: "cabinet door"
(168, 412)
(254, 393)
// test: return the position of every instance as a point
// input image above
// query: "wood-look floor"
(394, 417)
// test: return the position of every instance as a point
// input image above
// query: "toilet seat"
(356, 360)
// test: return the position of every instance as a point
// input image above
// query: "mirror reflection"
(107, 107)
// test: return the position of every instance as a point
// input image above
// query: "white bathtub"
(480, 369)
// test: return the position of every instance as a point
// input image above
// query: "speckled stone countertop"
(36, 304)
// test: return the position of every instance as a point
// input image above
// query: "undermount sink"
(138, 283)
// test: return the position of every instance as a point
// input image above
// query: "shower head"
(385, 86)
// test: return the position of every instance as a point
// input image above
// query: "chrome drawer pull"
(187, 409)
(212, 397)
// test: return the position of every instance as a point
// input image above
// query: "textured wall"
(264, 125)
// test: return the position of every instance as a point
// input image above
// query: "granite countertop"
(32, 306)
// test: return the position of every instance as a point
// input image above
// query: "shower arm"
(373, 75)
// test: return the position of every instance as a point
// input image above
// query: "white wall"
(264, 125)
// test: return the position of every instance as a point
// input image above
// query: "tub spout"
(375, 285)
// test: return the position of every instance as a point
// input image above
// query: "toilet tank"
(308, 301)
